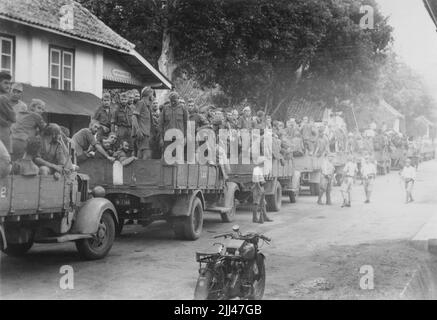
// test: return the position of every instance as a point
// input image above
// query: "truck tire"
(190, 228)
(18, 249)
(229, 216)
(274, 202)
(293, 196)
(315, 189)
(119, 227)
(94, 249)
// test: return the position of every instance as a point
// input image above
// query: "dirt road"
(317, 252)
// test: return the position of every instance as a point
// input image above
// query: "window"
(61, 69)
(6, 54)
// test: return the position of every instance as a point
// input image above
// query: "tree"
(265, 51)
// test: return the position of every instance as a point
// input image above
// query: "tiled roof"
(304, 108)
(47, 14)
(431, 6)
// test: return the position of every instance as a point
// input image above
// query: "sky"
(415, 37)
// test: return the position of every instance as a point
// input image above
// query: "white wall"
(32, 58)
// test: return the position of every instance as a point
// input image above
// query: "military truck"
(151, 190)
(42, 209)
(281, 180)
(309, 168)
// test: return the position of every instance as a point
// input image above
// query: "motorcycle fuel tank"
(247, 251)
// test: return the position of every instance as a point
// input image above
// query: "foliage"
(268, 52)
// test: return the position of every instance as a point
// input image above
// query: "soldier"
(5, 83)
(368, 172)
(53, 157)
(173, 116)
(104, 116)
(25, 165)
(408, 174)
(121, 120)
(194, 116)
(142, 124)
(322, 144)
(29, 125)
(246, 121)
(350, 170)
(7, 115)
(84, 141)
(16, 96)
(258, 193)
(124, 155)
(326, 178)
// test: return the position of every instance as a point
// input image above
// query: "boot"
(319, 201)
(255, 215)
(328, 199)
(265, 217)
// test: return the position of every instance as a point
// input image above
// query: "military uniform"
(142, 129)
(122, 120)
(104, 117)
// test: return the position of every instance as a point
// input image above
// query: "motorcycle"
(237, 270)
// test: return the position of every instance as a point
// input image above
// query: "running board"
(65, 238)
(218, 209)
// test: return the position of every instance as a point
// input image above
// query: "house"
(381, 113)
(66, 56)
(422, 127)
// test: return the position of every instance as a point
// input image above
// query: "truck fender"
(183, 204)
(89, 215)
(4, 244)
(270, 187)
(230, 189)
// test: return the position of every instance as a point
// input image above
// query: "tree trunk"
(166, 62)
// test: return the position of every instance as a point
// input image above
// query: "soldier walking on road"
(350, 170)
(258, 193)
(408, 174)
(368, 172)
(327, 174)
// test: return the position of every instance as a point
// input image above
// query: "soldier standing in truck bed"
(104, 116)
(173, 116)
(122, 120)
(142, 124)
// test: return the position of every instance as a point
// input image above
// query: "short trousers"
(347, 184)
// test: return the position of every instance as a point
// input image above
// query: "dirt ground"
(316, 252)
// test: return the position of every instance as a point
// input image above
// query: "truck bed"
(21, 195)
(307, 163)
(154, 174)
(278, 171)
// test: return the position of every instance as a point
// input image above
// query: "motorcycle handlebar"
(249, 236)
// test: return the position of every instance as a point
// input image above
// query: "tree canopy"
(263, 51)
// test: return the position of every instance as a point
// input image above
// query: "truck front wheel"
(99, 246)
(274, 202)
(18, 249)
(190, 228)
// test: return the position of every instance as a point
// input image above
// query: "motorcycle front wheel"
(205, 286)
(259, 284)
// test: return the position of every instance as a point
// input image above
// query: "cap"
(173, 96)
(5, 76)
(106, 95)
(146, 92)
(246, 109)
(123, 95)
(17, 86)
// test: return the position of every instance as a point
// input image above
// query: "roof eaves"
(62, 32)
(167, 83)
